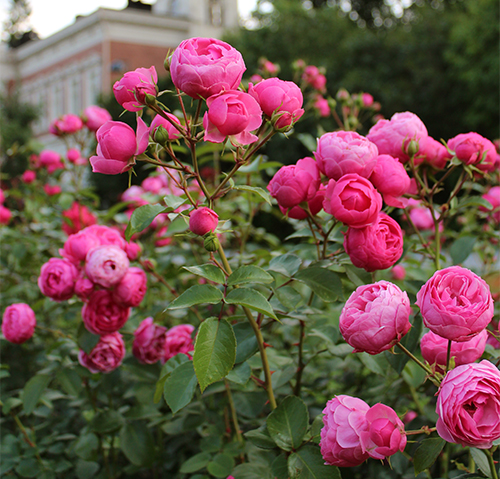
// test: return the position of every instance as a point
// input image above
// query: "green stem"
(234, 417)
(420, 237)
(441, 180)
(427, 369)
(448, 354)
(491, 462)
(300, 366)
(236, 167)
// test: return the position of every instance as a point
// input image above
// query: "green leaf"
(287, 424)
(288, 297)
(173, 202)
(28, 467)
(198, 294)
(481, 461)
(180, 386)
(86, 445)
(252, 299)
(214, 351)
(106, 421)
(246, 342)
(427, 453)
(70, 381)
(256, 470)
(255, 189)
(260, 437)
(33, 391)
(286, 264)
(307, 463)
(462, 248)
(221, 466)
(196, 462)
(325, 283)
(240, 374)
(86, 469)
(279, 467)
(142, 217)
(249, 274)
(208, 271)
(308, 141)
(137, 443)
(375, 363)
(86, 340)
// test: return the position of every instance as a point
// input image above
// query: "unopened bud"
(342, 95)
(160, 135)
(149, 99)
(211, 242)
(412, 148)
(166, 63)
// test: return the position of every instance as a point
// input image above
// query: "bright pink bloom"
(375, 317)
(52, 190)
(493, 196)
(84, 288)
(95, 116)
(315, 206)
(432, 152)
(173, 132)
(376, 246)
(232, 114)
(77, 246)
(107, 235)
(398, 272)
(203, 220)
(130, 91)
(66, 125)
(202, 67)
(322, 106)
(29, 176)
(133, 250)
(102, 315)
(391, 180)
(5, 215)
(117, 147)
(353, 200)
(409, 417)
(312, 76)
(77, 218)
(130, 291)
(342, 152)
(468, 405)
(149, 342)
(107, 355)
(18, 323)
(455, 303)
(74, 156)
(51, 160)
(367, 100)
(57, 279)
(269, 67)
(106, 265)
(473, 149)
(179, 340)
(153, 184)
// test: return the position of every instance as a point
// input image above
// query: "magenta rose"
(468, 405)
(149, 342)
(435, 349)
(117, 147)
(353, 200)
(313, 77)
(344, 421)
(51, 160)
(84, 288)
(315, 206)
(473, 149)
(455, 303)
(280, 100)
(391, 180)
(375, 317)
(106, 356)
(78, 245)
(18, 323)
(342, 152)
(493, 196)
(322, 106)
(172, 132)
(102, 315)
(5, 215)
(232, 114)
(377, 246)
(130, 92)
(94, 117)
(77, 218)
(29, 176)
(106, 265)
(130, 291)
(294, 184)
(179, 340)
(66, 125)
(393, 136)
(433, 153)
(203, 220)
(108, 236)
(57, 279)
(202, 67)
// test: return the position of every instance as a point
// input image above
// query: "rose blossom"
(393, 136)
(52, 190)
(51, 160)
(94, 117)
(107, 235)
(117, 147)
(18, 323)
(77, 246)
(66, 125)
(106, 265)
(178, 340)
(172, 131)
(130, 291)
(281, 98)
(433, 153)
(106, 356)
(130, 91)
(312, 76)
(377, 246)
(322, 106)
(102, 315)
(315, 206)
(353, 200)
(202, 67)
(149, 342)
(75, 157)
(57, 279)
(455, 303)
(391, 180)
(5, 215)
(468, 405)
(232, 114)
(29, 176)
(493, 196)
(84, 288)
(398, 272)
(203, 220)
(344, 420)
(375, 317)
(294, 184)
(473, 149)
(342, 152)
(435, 349)
(77, 218)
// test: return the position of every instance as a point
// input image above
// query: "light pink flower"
(149, 342)
(102, 315)
(106, 265)
(94, 117)
(179, 340)
(106, 356)
(312, 76)
(473, 149)
(130, 291)
(57, 279)
(18, 323)
(391, 180)
(130, 91)
(203, 220)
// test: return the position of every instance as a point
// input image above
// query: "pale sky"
(50, 16)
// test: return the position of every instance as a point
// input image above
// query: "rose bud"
(433, 153)
(51, 160)
(106, 356)
(398, 273)
(106, 265)
(102, 315)
(130, 92)
(84, 288)
(172, 133)
(149, 342)
(77, 218)
(179, 340)
(203, 220)
(130, 291)
(391, 180)
(18, 323)
(29, 176)
(474, 149)
(57, 279)
(95, 116)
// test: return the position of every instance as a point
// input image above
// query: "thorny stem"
(424, 430)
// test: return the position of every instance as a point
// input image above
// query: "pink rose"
(342, 152)
(353, 200)
(202, 67)
(367, 100)
(473, 149)
(117, 147)
(75, 157)
(102, 315)
(376, 246)
(203, 220)
(95, 116)
(133, 250)
(66, 124)
(315, 206)
(18, 323)
(322, 106)
(149, 342)
(5, 215)
(294, 184)
(106, 265)
(344, 420)
(153, 184)
(52, 190)
(134, 195)
(179, 340)
(312, 76)
(130, 91)
(51, 160)
(107, 235)
(468, 405)
(172, 131)
(393, 136)
(421, 216)
(29, 176)
(493, 196)
(433, 153)
(84, 288)
(106, 356)
(78, 245)
(232, 114)
(391, 180)
(130, 291)
(375, 317)
(77, 218)
(57, 279)
(280, 99)
(398, 273)
(455, 303)
(435, 349)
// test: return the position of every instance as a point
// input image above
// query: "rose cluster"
(5, 213)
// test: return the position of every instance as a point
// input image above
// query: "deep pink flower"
(130, 291)
(149, 342)
(84, 288)
(77, 218)
(66, 124)
(29, 176)
(322, 106)
(94, 117)
(52, 190)
(391, 180)
(106, 265)
(315, 206)
(433, 153)
(203, 220)
(75, 157)
(313, 77)
(130, 91)
(107, 235)
(179, 340)
(57, 279)
(106, 356)
(5, 215)
(473, 149)
(102, 315)
(18, 323)
(51, 160)
(77, 246)
(493, 196)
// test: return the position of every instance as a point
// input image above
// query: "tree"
(17, 27)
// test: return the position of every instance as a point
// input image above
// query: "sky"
(50, 16)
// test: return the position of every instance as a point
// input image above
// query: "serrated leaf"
(288, 297)
(252, 299)
(249, 274)
(256, 470)
(308, 463)
(173, 202)
(180, 386)
(255, 189)
(195, 463)
(286, 264)
(197, 294)
(214, 351)
(137, 443)
(142, 217)
(246, 342)
(33, 390)
(325, 283)
(208, 271)
(260, 437)
(240, 374)
(427, 453)
(462, 248)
